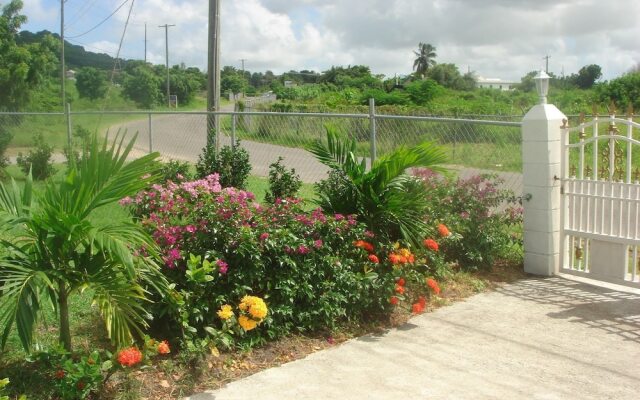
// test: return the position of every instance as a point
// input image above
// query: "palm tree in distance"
(425, 58)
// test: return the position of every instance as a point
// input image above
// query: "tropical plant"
(231, 163)
(283, 183)
(55, 247)
(391, 202)
(38, 160)
(425, 58)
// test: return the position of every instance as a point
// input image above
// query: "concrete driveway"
(543, 339)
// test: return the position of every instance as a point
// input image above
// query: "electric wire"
(86, 7)
(116, 63)
(101, 22)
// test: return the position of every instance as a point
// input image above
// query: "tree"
(22, 67)
(58, 248)
(232, 83)
(422, 92)
(624, 91)
(91, 83)
(425, 58)
(142, 85)
(587, 76)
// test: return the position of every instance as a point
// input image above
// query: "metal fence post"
(372, 128)
(150, 135)
(233, 129)
(69, 133)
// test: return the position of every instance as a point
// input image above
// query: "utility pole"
(63, 74)
(547, 57)
(166, 45)
(213, 72)
(145, 42)
(243, 60)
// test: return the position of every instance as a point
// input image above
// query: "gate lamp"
(542, 85)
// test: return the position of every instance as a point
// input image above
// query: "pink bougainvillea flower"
(223, 267)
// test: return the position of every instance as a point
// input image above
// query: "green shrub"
(5, 139)
(78, 148)
(231, 164)
(484, 215)
(303, 264)
(38, 161)
(283, 183)
(389, 201)
(175, 171)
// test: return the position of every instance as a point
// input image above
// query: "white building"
(495, 83)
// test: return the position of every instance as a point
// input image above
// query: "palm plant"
(55, 247)
(391, 202)
(425, 58)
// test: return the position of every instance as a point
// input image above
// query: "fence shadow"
(612, 311)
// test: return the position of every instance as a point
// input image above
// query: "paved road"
(545, 339)
(183, 137)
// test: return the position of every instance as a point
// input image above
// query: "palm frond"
(389, 167)
(120, 301)
(338, 153)
(22, 287)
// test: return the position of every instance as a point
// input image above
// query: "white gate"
(600, 235)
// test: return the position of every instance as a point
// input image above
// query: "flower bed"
(313, 270)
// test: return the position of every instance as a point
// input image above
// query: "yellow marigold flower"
(404, 252)
(258, 310)
(255, 306)
(247, 323)
(225, 312)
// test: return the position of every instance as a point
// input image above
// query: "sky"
(493, 38)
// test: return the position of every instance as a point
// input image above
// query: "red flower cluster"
(430, 244)
(364, 245)
(59, 374)
(399, 287)
(373, 258)
(163, 347)
(129, 357)
(443, 230)
(419, 306)
(394, 300)
(433, 285)
(401, 256)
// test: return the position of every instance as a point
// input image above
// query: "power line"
(166, 44)
(101, 22)
(81, 13)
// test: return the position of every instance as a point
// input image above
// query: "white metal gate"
(600, 235)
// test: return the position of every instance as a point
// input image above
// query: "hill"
(75, 55)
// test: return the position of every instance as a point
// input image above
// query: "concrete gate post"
(541, 159)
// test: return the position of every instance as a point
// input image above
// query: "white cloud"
(498, 38)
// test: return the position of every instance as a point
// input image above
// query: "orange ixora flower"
(163, 347)
(129, 357)
(373, 258)
(443, 230)
(401, 256)
(394, 300)
(433, 285)
(399, 289)
(364, 245)
(430, 244)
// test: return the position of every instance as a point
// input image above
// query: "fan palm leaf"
(386, 198)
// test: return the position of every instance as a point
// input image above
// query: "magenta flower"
(264, 236)
(317, 244)
(223, 267)
(190, 228)
(302, 249)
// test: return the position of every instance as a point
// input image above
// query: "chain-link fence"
(473, 145)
